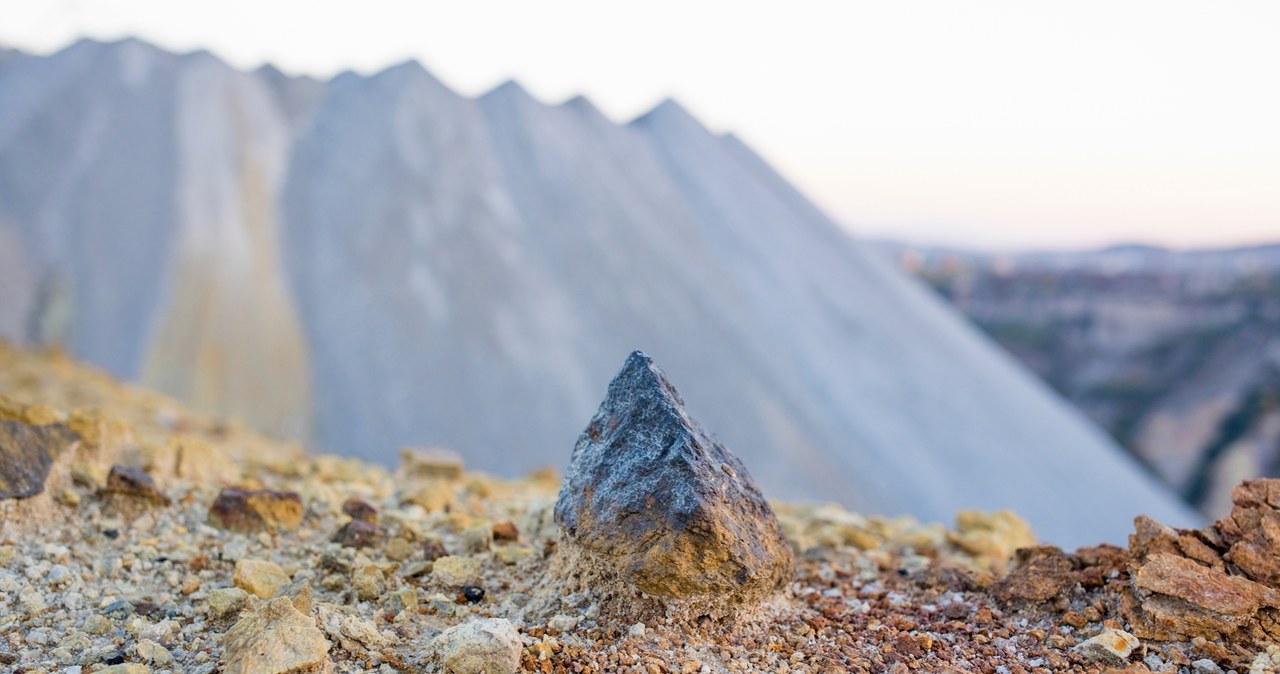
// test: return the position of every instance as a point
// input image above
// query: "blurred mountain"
(370, 262)
(1176, 353)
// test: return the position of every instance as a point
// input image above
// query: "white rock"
(1112, 646)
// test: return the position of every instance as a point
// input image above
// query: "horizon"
(1174, 149)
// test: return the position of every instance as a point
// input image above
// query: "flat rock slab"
(672, 511)
(27, 453)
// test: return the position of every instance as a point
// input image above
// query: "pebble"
(126, 482)
(489, 645)
(154, 653)
(359, 534)
(1205, 666)
(125, 669)
(259, 577)
(506, 531)
(473, 593)
(226, 601)
(454, 571)
(250, 511)
(359, 509)
(368, 582)
(636, 630)
(399, 549)
(1110, 647)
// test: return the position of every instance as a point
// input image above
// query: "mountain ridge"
(381, 261)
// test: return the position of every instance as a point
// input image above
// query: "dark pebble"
(433, 550)
(473, 593)
(114, 658)
(118, 609)
(112, 533)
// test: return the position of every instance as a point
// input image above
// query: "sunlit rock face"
(372, 262)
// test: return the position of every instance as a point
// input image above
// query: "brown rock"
(433, 549)
(1176, 596)
(26, 455)
(359, 534)
(132, 486)
(506, 531)
(359, 509)
(1252, 530)
(1043, 574)
(250, 511)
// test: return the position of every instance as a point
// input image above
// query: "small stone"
(359, 509)
(506, 531)
(190, 584)
(129, 487)
(433, 549)
(277, 638)
(563, 623)
(433, 496)
(433, 462)
(711, 535)
(399, 549)
(259, 577)
(251, 511)
(511, 554)
(1042, 574)
(27, 454)
(405, 599)
(97, 625)
(226, 601)
(154, 653)
(473, 593)
(359, 534)
(1111, 647)
(1205, 666)
(489, 645)
(455, 571)
(368, 582)
(636, 630)
(125, 669)
(477, 538)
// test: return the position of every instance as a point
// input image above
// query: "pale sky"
(1005, 124)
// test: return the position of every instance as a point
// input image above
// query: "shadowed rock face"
(677, 513)
(26, 455)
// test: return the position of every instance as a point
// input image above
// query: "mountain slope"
(397, 264)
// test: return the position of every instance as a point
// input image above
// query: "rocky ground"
(136, 536)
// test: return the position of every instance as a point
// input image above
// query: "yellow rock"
(435, 496)
(991, 537)
(259, 577)
(434, 462)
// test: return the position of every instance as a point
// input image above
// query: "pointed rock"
(663, 506)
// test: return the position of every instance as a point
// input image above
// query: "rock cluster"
(654, 501)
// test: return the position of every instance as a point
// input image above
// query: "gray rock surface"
(665, 505)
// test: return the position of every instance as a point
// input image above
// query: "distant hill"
(1176, 353)
(369, 262)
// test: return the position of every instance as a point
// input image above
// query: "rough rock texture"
(663, 504)
(275, 639)
(488, 645)
(26, 454)
(359, 534)
(250, 511)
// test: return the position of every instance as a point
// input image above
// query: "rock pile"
(654, 502)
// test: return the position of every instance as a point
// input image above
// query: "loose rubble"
(155, 588)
